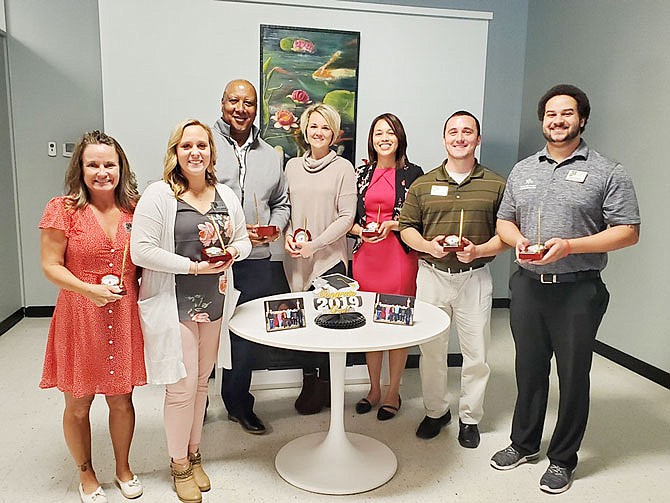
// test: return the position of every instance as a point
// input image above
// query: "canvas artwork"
(302, 66)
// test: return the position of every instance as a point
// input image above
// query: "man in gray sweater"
(253, 169)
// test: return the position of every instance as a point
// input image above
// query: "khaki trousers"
(466, 297)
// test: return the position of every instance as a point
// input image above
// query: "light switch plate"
(68, 148)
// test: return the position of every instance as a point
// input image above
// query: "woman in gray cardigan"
(185, 301)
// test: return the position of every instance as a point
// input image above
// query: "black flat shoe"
(363, 406)
(387, 412)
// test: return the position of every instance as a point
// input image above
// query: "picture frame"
(284, 314)
(393, 309)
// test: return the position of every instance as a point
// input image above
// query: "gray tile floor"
(625, 455)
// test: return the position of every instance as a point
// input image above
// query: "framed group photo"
(394, 309)
(284, 314)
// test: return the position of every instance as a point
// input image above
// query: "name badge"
(439, 190)
(576, 176)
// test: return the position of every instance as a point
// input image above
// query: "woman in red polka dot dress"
(95, 342)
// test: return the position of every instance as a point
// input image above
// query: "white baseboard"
(292, 378)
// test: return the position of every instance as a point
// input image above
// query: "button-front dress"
(90, 349)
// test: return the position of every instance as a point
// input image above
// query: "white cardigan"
(152, 247)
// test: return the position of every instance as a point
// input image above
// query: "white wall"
(428, 68)
(501, 119)
(617, 52)
(57, 94)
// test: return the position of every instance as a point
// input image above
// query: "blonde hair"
(171, 170)
(125, 193)
(331, 116)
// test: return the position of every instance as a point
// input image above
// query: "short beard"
(571, 136)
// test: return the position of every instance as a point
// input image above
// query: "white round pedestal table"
(337, 462)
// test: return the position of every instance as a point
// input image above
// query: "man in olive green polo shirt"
(458, 282)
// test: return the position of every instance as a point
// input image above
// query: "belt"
(568, 277)
(452, 270)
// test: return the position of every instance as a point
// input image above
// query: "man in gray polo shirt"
(585, 206)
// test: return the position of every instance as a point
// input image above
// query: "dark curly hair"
(583, 105)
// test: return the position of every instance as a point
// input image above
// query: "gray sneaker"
(556, 479)
(510, 458)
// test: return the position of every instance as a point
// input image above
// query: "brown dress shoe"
(199, 474)
(184, 483)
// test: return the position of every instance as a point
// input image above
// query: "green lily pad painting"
(302, 66)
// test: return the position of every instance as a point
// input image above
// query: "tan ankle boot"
(184, 484)
(199, 474)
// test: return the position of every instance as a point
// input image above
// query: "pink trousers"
(184, 408)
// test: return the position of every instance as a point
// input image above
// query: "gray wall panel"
(617, 53)
(55, 74)
(11, 298)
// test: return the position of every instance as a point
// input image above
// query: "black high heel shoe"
(387, 412)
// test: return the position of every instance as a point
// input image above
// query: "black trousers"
(559, 319)
(255, 279)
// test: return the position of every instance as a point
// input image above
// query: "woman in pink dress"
(383, 263)
(95, 342)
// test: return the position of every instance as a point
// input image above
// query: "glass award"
(216, 252)
(113, 279)
(372, 229)
(536, 251)
(301, 234)
(454, 243)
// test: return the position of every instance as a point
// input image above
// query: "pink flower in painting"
(207, 233)
(284, 119)
(299, 97)
(303, 45)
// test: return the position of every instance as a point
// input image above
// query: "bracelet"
(567, 242)
(196, 269)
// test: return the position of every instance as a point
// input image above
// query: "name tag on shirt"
(576, 176)
(439, 190)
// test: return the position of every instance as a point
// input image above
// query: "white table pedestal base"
(336, 462)
(317, 465)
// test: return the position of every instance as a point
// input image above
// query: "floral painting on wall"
(302, 66)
